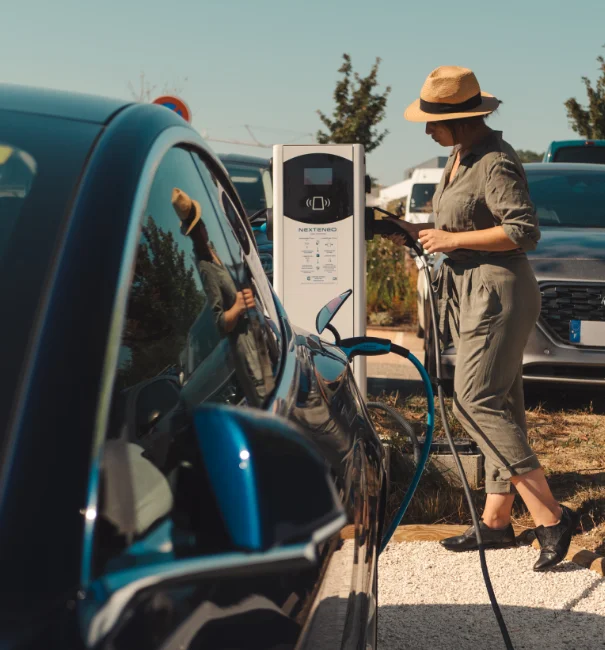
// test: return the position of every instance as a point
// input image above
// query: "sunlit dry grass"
(569, 443)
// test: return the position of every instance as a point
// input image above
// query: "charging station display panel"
(318, 188)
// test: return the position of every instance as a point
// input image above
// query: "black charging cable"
(388, 227)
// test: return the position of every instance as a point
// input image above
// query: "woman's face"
(440, 133)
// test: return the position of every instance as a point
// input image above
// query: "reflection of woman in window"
(228, 305)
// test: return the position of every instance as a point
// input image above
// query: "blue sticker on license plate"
(575, 330)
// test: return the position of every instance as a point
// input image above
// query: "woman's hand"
(438, 241)
(243, 300)
(248, 297)
(239, 306)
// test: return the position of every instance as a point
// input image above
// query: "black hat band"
(438, 108)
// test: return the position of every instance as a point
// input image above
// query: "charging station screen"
(318, 176)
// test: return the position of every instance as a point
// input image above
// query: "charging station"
(319, 236)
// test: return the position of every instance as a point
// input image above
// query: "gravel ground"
(434, 599)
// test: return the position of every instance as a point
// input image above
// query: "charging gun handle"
(395, 226)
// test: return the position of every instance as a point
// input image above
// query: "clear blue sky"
(272, 63)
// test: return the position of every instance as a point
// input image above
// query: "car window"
(586, 154)
(422, 197)
(250, 270)
(253, 185)
(568, 199)
(193, 334)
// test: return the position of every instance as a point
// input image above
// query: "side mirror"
(269, 224)
(327, 313)
(272, 486)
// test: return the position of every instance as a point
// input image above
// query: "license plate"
(587, 332)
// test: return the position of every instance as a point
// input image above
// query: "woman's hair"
(201, 248)
(457, 124)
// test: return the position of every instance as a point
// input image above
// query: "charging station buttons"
(318, 203)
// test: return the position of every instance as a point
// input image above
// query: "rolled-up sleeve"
(507, 198)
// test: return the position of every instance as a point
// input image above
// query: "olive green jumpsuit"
(489, 303)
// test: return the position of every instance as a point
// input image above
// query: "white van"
(419, 209)
(419, 205)
(416, 193)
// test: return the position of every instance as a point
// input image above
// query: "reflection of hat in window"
(187, 209)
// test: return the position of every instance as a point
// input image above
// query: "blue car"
(253, 180)
(575, 151)
(179, 466)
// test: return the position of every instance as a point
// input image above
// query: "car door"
(160, 570)
(316, 389)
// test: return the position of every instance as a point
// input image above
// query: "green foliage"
(590, 122)
(358, 109)
(391, 287)
(164, 303)
(528, 156)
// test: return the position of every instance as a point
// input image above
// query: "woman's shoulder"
(501, 154)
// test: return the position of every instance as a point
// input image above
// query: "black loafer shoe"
(492, 538)
(555, 540)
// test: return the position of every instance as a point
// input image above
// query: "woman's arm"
(243, 300)
(231, 316)
(490, 239)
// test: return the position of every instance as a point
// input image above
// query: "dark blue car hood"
(570, 254)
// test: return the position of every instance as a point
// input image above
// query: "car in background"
(174, 473)
(576, 151)
(567, 345)
(251, 176)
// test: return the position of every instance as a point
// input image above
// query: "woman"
(489, 304)
(229, 306)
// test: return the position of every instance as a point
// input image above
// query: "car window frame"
(174, 136)
(127, 583)
(188, 140)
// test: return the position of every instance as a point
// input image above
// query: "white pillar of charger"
(319, 236)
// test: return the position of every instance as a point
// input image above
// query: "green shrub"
(391, 282)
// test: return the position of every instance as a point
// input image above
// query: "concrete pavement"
(390, 366)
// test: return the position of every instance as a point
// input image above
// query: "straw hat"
(450, 92)
(186, 208)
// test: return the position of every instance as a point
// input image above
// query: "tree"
(590, 122)
(164, 303)
(528, 156)
(358, 109)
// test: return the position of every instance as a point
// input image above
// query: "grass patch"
(570, 444)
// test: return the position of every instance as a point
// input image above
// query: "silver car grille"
(563, 302)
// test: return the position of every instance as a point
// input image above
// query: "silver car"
(568, 342)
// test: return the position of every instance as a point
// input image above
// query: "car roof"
(242, 158)
(57, 103)
(558, 167)
(576, 143)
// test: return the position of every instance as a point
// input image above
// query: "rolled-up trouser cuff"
(503, 485)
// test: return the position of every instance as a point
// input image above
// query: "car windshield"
(569, 198)
(41, 160)
(586, 154)
(421, 199)
(253, 184)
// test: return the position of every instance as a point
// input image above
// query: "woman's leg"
(496, 513)
(534, 490)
